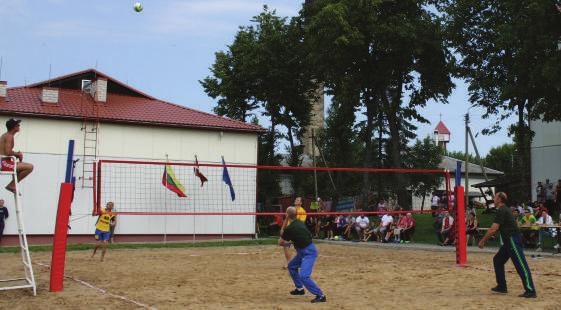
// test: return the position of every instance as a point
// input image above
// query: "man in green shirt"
(511, 247)
(301, 266)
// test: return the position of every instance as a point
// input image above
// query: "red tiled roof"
(442, 129)
(141, 109)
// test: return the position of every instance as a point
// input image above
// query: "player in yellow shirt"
(103, 229)
(301, 216)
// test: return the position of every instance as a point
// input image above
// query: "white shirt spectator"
(362, 221)
(435, 200)
(548, 220)
(387, 220)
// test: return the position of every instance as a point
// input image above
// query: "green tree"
(424, 154)
(502, 158)
(510, 58)
(233, 75)
(393, 55)
(265, 69)
(340, 144)
(459, 155)
(284, 83)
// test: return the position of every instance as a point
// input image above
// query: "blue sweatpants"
(512, 248)
(304, 260)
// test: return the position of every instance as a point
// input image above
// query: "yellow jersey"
(301, 214)
(104, 220)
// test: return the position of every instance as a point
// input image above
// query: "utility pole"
(467, 160)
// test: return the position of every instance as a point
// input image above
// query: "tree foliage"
(391, 53)
(424, 154)
(265, 70)
(509, 54)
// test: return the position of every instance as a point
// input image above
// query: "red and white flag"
(198, 173)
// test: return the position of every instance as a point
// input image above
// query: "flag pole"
(194, 210)
(166, 202)
(222, 215)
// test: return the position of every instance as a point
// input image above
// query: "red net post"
(94, 189)
(461, 244)
(60, 237)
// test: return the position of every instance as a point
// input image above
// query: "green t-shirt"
(505, 219)
(531, 220)
(298, 234)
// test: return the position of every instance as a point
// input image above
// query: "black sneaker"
(528, 294)
(498, 289)
(298, 292)
(319, 299)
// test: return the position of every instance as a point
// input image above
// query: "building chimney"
(3, 90)
(49, 95)
(99, 88)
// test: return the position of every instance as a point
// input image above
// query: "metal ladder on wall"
(91, 130)
(29, 280)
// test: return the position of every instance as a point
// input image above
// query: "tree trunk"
(293, 154)
(522, 139)
(271, 141)
(380, 153)
(367, 163)
(393, 104)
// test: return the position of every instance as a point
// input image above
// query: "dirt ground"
(253, 278)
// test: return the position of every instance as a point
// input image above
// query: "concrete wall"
(546, 153)
(45, 141)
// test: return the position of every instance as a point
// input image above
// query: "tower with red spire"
(441, 135)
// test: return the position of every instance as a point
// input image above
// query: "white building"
(475, 177)
(111, 120)
(545, 153)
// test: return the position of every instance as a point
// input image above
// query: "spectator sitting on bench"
(385, 225)
(340, 223)
(471, 228)
(327, 227)
(362, 223)
(405, 228)
(348, 228)
(529, 232)
(447, 230)
(545, 220)
(369, 233)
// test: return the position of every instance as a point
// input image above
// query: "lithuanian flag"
(170, 181)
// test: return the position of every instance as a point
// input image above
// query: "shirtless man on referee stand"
(7, 149)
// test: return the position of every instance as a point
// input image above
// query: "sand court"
(252, 277)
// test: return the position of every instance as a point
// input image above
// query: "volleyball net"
(256, 197)
(187, 188)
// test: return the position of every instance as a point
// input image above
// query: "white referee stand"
(29, 280)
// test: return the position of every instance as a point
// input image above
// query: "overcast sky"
(163, 51)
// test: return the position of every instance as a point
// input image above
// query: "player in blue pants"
(511, 248)
(300, 267)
